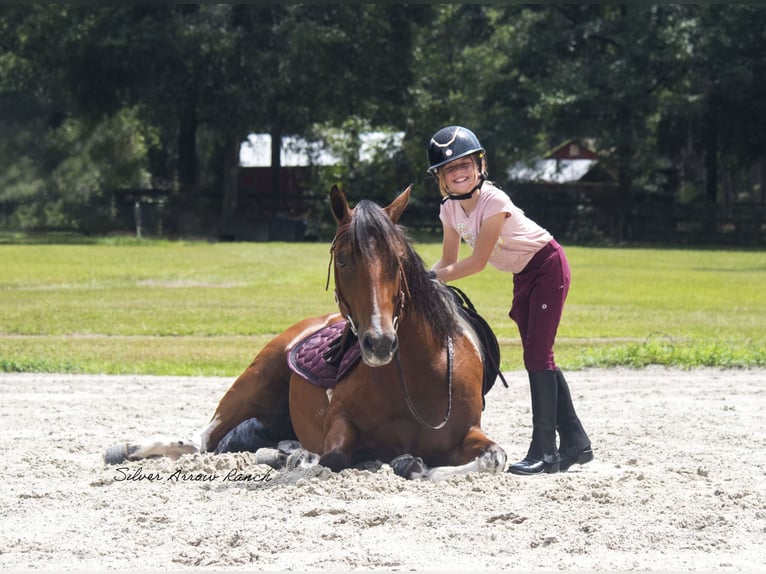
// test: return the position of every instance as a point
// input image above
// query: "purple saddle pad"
(307, 358)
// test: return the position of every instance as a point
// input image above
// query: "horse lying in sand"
(402, 372)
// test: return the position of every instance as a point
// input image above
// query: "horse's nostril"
(379, 346)
(368, 342)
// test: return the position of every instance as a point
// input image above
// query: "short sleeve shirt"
(520, 237)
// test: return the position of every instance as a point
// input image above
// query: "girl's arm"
(450, 247)
(448, 268)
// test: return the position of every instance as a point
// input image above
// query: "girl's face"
(460, 176)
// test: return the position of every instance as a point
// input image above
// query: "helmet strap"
(469, 194)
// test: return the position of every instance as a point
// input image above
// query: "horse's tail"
(487, 339)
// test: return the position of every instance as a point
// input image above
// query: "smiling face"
(459, 176)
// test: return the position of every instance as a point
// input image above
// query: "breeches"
(539, 292)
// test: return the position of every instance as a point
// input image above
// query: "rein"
(408, 398)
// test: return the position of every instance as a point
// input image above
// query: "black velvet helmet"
(451, 143)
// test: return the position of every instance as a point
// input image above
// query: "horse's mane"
(371, 234)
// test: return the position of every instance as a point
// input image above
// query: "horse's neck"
(416, 330)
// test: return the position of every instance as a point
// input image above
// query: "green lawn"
(196, 308)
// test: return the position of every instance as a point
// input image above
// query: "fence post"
(137, 217)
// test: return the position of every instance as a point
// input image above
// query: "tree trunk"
(710, 143)
(230, 158)
(187, 148)
(625, 175)
(711, 157)
(625, 186)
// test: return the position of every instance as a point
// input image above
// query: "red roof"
(571, 150)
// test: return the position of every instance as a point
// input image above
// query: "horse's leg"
(339, 443)
(308, 405)
(481, 454)
(288, 454)
(156, 445)
(308, 410)
(260, 392)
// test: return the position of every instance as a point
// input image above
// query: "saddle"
(324, 357)
(487, 340)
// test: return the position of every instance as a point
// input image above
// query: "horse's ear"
(339, 205)
(398, 205)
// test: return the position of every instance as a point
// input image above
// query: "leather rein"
(403, 294)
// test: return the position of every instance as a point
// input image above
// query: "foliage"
(708, 354)
(672, 95)
(201, 77)
(87, 162)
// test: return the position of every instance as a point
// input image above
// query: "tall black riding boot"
(542, 457)
(574, 444)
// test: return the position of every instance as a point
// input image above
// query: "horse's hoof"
(288, 446)
(116, 454)
(300, 458)
(408, 466)
(492, 460)
(271, 457)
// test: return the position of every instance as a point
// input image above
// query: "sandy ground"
(679, 483)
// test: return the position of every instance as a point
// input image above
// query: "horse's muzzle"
(378, 348)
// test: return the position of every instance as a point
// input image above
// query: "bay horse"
(415, 398)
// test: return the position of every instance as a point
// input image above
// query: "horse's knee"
(339, 442)
(335, 460)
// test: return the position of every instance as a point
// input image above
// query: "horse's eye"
(341, 263)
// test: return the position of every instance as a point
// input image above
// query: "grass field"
(197, 308)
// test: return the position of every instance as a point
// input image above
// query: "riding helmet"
(451, 143)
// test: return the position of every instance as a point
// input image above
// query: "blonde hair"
(479, 162)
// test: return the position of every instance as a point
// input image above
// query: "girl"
(499, 233)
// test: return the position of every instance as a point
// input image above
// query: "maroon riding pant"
(539, 292)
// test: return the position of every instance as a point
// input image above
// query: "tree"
(58, 158)
(723, 98)
(600, 72)
(670, 92)
(328, 64)
(201, 77)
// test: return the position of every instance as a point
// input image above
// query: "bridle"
(345, 309)
(408, 399)
(404, 295)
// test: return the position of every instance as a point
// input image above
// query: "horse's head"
(370, 283)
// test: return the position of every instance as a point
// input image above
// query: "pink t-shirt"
(520, 238)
